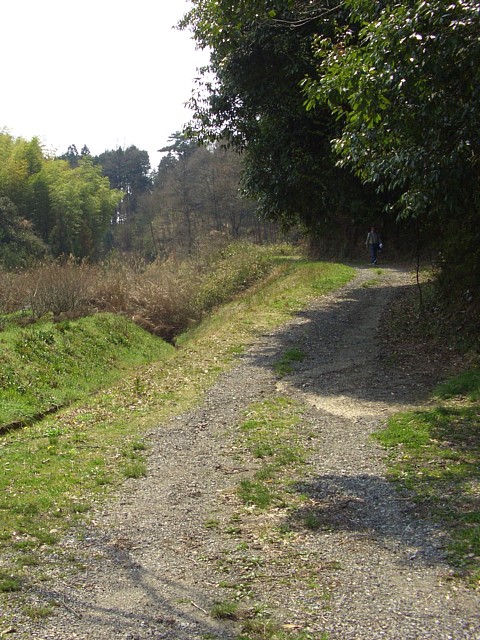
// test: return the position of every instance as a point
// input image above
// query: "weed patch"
(9, 583)
(273, 434)
(265, 629)
(226, 610)
(284, 366)
(436, 454)
(135, 469)
(256, 493)
(38, 612)
(269, 434)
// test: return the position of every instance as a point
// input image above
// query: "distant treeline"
(86, 206)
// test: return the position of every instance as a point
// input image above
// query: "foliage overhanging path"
(173, 545)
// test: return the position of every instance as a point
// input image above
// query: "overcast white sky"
(104, 73)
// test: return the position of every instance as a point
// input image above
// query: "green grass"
(9, 582)
(312, 521)
(135, 469)
(226, 610)
(53, 470)
(435, 453)
(38, 612)
(265, 629)
(370, 283)
(466, 384)
(270, 434)
(256, 493)
(284, 365)
(275, 437)
(49, 365)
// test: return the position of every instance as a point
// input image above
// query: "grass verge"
(265, 554)
(435, 454)
(49, 365)
(270, 435)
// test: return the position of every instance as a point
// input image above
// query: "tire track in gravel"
(151, 563)
(394, 581)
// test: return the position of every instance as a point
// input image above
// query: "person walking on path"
(374, 243)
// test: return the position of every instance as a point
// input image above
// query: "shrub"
(168, 296)
(164, 297)
(12, 291)
(234, 269)
(60, 288)
(116, 279)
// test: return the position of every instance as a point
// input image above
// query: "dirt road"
(176, 542)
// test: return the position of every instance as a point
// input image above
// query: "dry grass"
(164, 297)
(62, 288)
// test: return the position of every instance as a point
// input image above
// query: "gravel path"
(174, 543)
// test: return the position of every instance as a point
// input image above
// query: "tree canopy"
(194, 201)
(387, 91)
(260, 53)
(83, 206)
(18, 244)
(51, 204)
(404, 81)
(129, 171)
